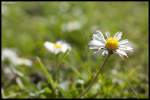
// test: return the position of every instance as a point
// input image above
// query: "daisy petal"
(98, 51)
(56, 51)
(105, 52)
(121, 53)
(107, 35)
(100, 35)
(96, 43)
(118, 35)
(49, 46)
(96, 37)
(124, 42)
(93, 47)
(65, 46)
(126, 48)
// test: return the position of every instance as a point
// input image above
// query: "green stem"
(47, 74)
(95, 78)
(57, 73)
(57, 68)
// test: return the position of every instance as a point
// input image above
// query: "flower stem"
(95, 78)
(47, 74)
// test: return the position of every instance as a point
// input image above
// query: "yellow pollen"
(56, 45)
(112, 43)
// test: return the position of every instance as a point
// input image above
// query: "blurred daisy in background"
(8, 2)
(12, 56)
(64, 85)
(59, 46)
(109, 45)
(4, 9)
(71, 26)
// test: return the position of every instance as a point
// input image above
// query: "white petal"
(96, 43)
(49, 46)
(99, 50)
(63, 43)
(96, 37)
(105, 52)
(56, 51)
(94, 47)
(126, 48)
(126, 45)
(107, 35)
(121, 53)
(100, 35)
(9, 54)
(118, 35)
(65, 46)
(124, 42)
(23, 61)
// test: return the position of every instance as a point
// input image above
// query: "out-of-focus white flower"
(80, 81)
(72, 26)
(20, 83)
(23, 61)
(59, 46)
(8, 2)
(63, 7)
(8, 72)
(118, 81)
(4, 9)
(5, 5)
(114, 71)
(64, 85)
(95, 88)
(13, 57)
(9, 54)
(110, 45)
(3, 93)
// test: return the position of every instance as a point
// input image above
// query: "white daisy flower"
(59, 46)
(12, 56)
(71, 26)
(64, 85)
(8, 2)
(109, 45)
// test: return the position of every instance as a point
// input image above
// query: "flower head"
(109, 45)
(12, 56)
(59, 46)
(72, 26)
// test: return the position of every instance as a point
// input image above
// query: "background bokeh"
(27, 25)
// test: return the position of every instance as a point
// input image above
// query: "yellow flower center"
(112, 43)
(56, 45)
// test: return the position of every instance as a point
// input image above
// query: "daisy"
(72, 26)
(109, 45)
(12, 56)
(59, 46)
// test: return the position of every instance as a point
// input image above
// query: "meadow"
(31, 71)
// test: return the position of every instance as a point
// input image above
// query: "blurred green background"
(27, 25)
